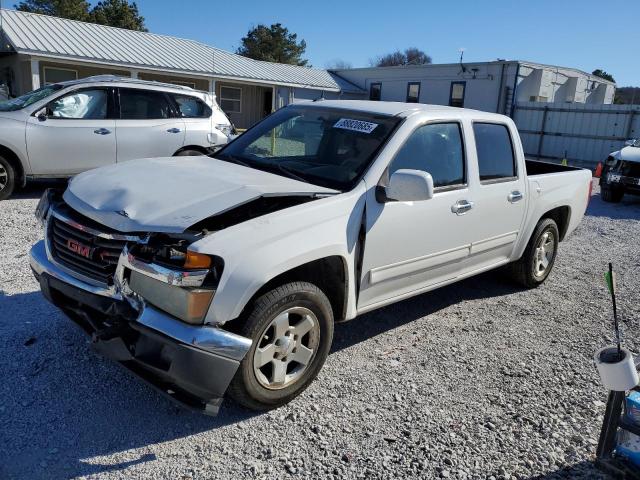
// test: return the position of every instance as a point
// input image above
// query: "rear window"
(143, 104)
(495, 151)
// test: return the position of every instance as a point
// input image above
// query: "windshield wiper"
(233, 159)
(289, 173)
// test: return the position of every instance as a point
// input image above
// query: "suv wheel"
(291, 328)
(7, 179)
(611, 194)
(538, 258)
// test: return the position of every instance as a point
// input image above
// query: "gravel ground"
(476, 380)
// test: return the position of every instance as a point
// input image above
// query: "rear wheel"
(611, 194)
(538, 258)
(291, 328)
(7, 179)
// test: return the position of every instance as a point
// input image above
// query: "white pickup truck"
(210, 275)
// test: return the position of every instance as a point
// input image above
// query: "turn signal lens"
(197, 260)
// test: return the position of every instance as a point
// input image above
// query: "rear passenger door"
(148, 126)
(498, 194)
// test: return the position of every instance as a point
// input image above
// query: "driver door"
(411, 246)
(76, 134)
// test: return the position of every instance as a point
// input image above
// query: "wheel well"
(15, 162)
(561, 216)
(192, 147)
(328, 274)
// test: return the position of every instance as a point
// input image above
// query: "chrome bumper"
(210, 339)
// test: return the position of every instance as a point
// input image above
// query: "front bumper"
(191, 364)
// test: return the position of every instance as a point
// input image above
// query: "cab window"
(496, 160)
(435, 148)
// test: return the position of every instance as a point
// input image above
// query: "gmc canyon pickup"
(206, 275)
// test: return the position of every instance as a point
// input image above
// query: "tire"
(7, 179)
(611, 194)
(189, 153)
(526, 271)
(262, 387)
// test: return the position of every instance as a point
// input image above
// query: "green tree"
(72, 9)
(115, 13)
(602, 74)
(118, 13)
(273, 44)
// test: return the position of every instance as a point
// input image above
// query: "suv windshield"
(325, 146)
(28, 98)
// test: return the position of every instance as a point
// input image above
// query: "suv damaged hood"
(630, 154)
(172, 194)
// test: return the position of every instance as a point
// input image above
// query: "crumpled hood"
(171, 194)
(630, 154)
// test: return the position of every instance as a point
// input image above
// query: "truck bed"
(535, 167)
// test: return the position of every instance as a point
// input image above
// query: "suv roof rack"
(117, 78)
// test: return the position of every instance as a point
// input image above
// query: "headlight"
(224, 128)
(43, 206)
(188, 304)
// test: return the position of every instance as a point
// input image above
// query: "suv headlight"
(224, 128)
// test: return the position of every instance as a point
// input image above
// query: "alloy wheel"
(545, 250)
(286, 348)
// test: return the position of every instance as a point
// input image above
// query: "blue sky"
(585, 34)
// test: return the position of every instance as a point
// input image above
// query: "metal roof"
(42, 35)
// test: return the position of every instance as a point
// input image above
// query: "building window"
(456, 95)
(231, 99)
(184, 84)
(413, 92)
(375, 91)
(56, 75)
(496, 160)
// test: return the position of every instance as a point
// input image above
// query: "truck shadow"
(490, 284)
(581, 470)
(64, 407)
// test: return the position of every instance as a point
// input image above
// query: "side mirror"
(409, 186)
(42, 114)
(630, 143)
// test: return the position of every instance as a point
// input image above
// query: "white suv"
(66, 128)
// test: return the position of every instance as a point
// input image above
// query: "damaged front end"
(142, 299)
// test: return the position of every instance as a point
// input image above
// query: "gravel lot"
(476, 380)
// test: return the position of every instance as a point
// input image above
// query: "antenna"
(463, 69)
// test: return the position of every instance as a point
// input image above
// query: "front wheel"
(538, 258)
(7, 179)
(291, 328)
(611, 194)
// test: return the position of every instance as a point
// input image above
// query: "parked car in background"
(229, 272)
(621, 173)
(66, 128)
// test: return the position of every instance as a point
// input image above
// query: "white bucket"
(616, 375)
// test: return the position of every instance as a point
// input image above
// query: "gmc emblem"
(76, 247)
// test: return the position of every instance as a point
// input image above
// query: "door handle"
(515, 196)
(461, 207)
(174, 130)
(102, 131)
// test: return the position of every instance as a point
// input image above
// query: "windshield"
(28, 98)
(324, 146)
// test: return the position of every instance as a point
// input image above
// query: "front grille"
(83, 252)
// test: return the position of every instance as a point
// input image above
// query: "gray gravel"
(476, 380)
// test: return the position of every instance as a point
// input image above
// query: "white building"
(489, 86)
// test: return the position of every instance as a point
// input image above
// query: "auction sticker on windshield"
(355, 125)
